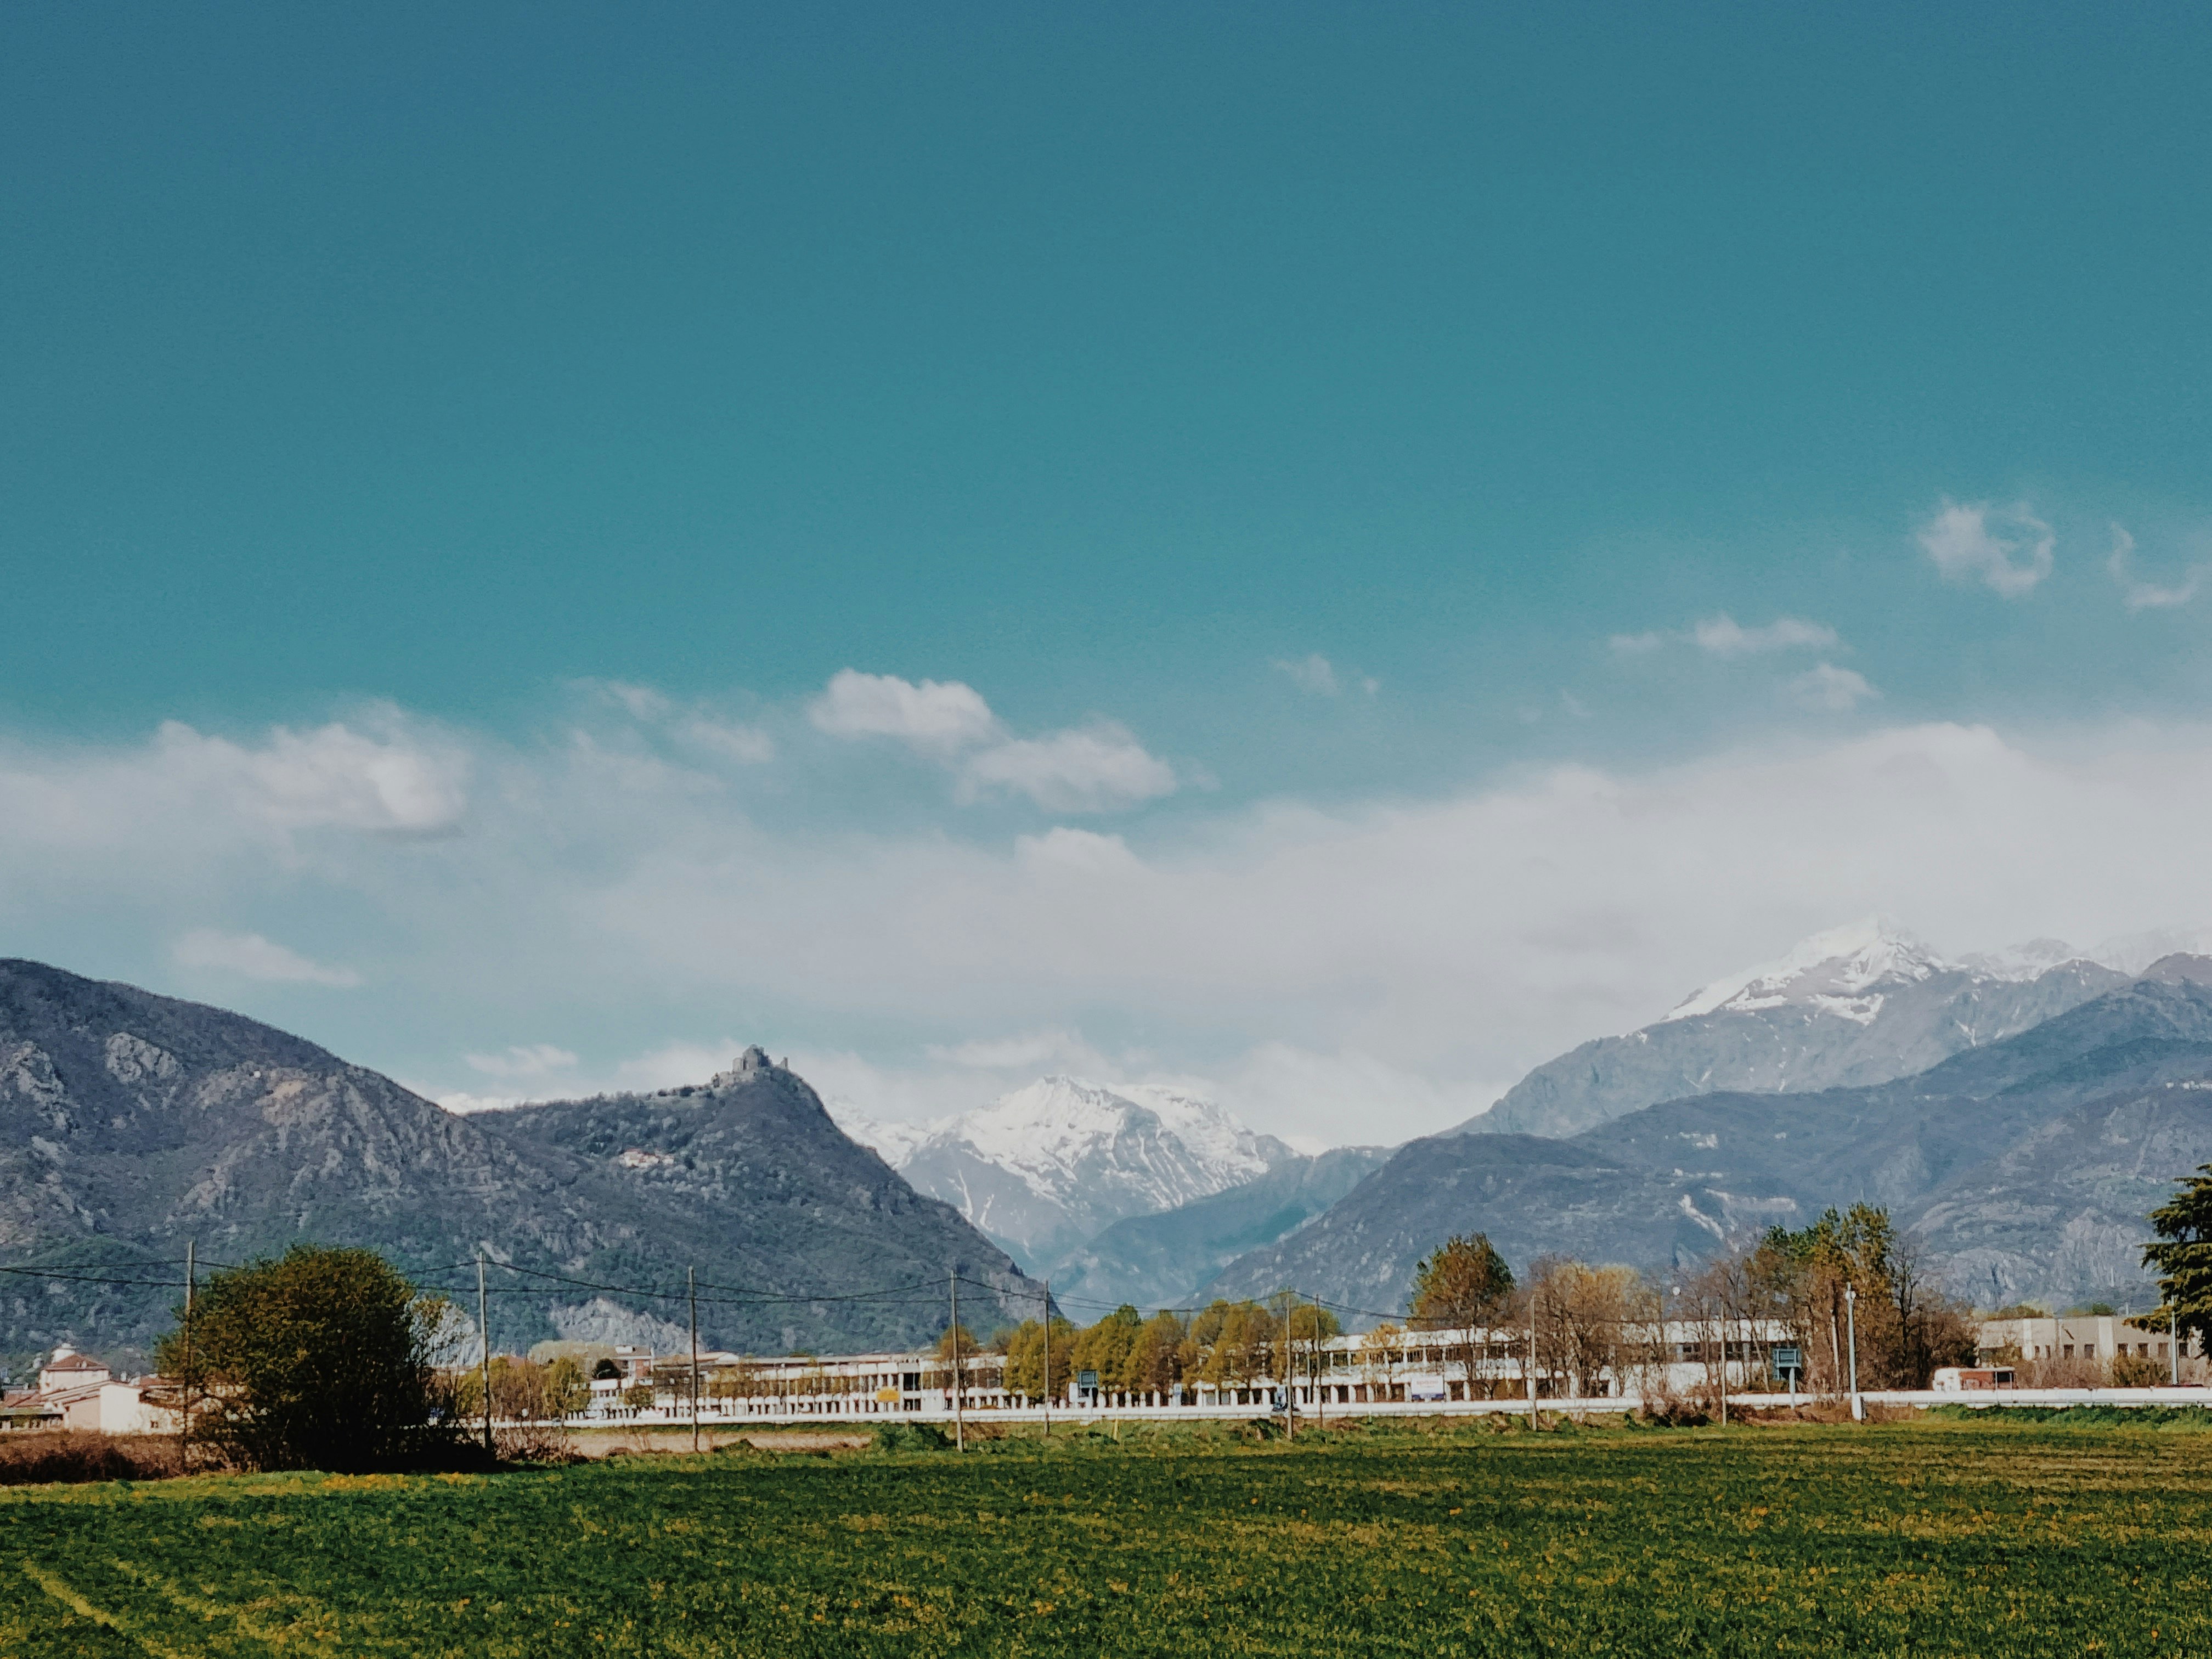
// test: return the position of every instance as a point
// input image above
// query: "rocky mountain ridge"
(1853, 1006)
(131, 1122)
(2027, 1164)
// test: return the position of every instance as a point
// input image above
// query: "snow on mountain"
(1856, 1005)
(1047, 1167)
(893, 1142)
(1839, 970)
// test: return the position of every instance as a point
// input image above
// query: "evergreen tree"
(2183, 1255)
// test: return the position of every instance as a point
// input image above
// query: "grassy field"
(1927, 1538)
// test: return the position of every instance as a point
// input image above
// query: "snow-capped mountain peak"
(1841, 970)
(1048, 1165)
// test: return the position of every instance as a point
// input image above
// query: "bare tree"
(1462, 1289)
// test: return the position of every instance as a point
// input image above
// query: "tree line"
(328, 1357)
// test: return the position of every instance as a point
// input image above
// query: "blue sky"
(482, 439)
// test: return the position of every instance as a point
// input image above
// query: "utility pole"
(1321, 1405)
(484, 1332)
(691, 1291)
(1532, 1353)
(1724, 1341)
(1852, 1316)
(959, 1423)
(184, 1383)
(1290, 1372)
(1047, 1360)
(2172, 1335)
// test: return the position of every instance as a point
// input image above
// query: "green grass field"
(1963, 1538)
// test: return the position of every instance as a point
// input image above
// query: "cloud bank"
(1354, 972)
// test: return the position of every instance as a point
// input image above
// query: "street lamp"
(1852, 1318)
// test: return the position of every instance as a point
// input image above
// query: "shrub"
(911, 1437)
(535, 1442)
(322, 1358)
(75, 1454)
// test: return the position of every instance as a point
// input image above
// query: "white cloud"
(1451, 941)
(535, 1060)
(2138, 595)
(2009, 549)
(936, 715)
(641, 703)
(1723, 637)
(733, 740)
(1314, 673)
(1826, 686)
(1093, 768)
(251, 956)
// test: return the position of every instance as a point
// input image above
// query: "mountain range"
(130, 1123)
(2026, 1165)
(1048, 1168)
(1855, 1005)
(2020, 1114)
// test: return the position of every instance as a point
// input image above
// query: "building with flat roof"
(2088, 1340)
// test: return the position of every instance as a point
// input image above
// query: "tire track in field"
(58, 1587)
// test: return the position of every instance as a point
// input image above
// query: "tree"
(1462, 1287)
(565, 1393)
(2183, 1255)
(1158, 1357)
(955, 1350)
(1238, 1340)
(321, 1358)
(1025, 1358)
(1589, 1322)
(1806, 1274)
(1106, 1347)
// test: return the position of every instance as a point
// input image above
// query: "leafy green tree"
(1463, 1287)
(321, 1358)
(2183, 1255)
